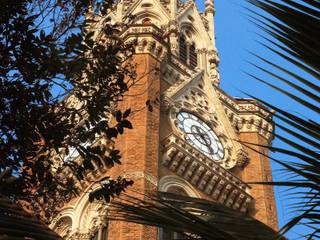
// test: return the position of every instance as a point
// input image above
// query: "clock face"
(200, 135)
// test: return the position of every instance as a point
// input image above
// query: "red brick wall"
(258, 170)
(140, 146)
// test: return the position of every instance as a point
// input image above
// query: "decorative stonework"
(183, 7)
(80, 236)
(156, 30)
(183, 81)
(82, 220)
(197, 102)
(209, 7)
(205, 21)
(205, 174)
(246, 115)
(242, 159)
(63, 227)
(174, 73)
(213, 67)
(148, 39)
(167, 182)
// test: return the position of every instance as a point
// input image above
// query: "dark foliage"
(109, 189)
(62, 72)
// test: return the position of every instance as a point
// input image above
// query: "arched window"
(193, 61)
(183, 49)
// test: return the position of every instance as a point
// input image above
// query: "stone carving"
(205, 174)
(213, 67)
(80, 236)
(63, 227)
(242, 159)
(253, 118)
(166, 104)
(149, 39)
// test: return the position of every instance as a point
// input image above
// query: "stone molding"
(80, 236)
(205, 174)
(147, 38)
(166, 182)
(246, 115)
(180, 83)
(184, 7)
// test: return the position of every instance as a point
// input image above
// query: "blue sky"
(236, 36)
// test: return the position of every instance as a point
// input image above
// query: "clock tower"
(190, 142)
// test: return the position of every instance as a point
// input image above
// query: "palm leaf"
(196, 218)
(291, 31)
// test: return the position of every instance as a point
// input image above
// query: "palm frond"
(291, 32)
(196, 218)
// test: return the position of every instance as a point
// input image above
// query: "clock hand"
(207, 142)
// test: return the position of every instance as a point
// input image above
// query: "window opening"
(193, 61)
(183, 49)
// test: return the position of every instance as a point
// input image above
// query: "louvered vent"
(193, 56)
(183, 49)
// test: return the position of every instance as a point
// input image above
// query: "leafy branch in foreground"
(63, 69)
(195, 218)
(292, 30)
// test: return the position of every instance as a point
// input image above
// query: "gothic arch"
(172, 181)
(193, 34)
(173, 184)
(153, 16)
(88, 214)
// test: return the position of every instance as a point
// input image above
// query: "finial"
(209, 7)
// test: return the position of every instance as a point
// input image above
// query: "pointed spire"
(209, 7)
(209, 14)
(173, 9)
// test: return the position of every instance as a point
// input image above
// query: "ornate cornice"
(204, 174)
(80, 236)
(246, 115)
(147, 39)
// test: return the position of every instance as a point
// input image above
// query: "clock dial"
(200, 135)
